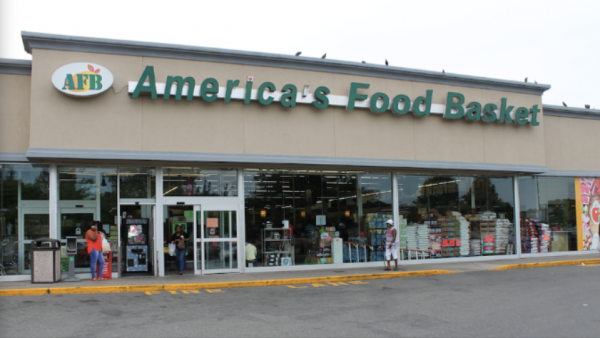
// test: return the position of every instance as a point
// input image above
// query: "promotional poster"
(588, 205)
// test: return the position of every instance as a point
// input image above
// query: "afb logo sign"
(82, 79)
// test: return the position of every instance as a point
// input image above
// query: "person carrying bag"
(180, 238)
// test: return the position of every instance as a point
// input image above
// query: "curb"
(546, 264)
(218, 285)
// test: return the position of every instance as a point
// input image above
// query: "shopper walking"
(391, 244)
(94, 247)
(180, 238)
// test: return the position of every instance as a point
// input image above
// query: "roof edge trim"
(578, 113)
(33, 40)
(15, 66)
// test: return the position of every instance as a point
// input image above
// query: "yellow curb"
(219, 285)
(546, 264)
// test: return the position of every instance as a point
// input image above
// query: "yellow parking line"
(296, 287)
(185, 292)
(546, 264)
(173, 292)
(194, 291)
(173, 288)
(149, 293)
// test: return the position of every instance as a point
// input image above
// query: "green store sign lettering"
(321, 98)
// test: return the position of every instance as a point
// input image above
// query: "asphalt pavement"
(560, 301)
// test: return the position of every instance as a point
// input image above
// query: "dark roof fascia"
(14, 66)
(161, 50)
(578, 113)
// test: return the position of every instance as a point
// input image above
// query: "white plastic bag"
(105, 245)
(172, 249)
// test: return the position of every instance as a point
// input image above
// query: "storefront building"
(282, 162)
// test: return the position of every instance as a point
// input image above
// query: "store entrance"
(181, 216)
(212, 245)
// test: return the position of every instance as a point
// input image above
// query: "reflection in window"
(86, 194)
(292, 217)
(199, 182)
(77, 184)
(455, 216)
(548, 214)
(137, 182)
(23, 212)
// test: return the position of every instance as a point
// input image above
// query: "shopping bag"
(172, 249)
(105, 245)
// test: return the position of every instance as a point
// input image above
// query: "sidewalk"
(346, 273)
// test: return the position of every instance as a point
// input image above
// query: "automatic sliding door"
(218, 246)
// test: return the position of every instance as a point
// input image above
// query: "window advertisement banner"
(588, 213)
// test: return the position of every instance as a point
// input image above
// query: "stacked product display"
(544, 232)
(465, 236)
(450, 227)
(411, 236)
(423, 238)
(535, 236)
(476, 247)
(402, 231)
(377, 229)
(503, 227)
(529, 237)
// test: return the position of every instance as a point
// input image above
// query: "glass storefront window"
(199, 182)
(548, 214)
(24, 214)
(455, 216)
(86, 194)
(293, 217)
(137, 182)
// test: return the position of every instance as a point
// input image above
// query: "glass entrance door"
(216, 245)
(179, 217)
(75, 222)
(35, 224)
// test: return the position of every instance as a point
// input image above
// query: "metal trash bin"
(45, 262)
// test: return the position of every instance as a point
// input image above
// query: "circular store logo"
(82, 79)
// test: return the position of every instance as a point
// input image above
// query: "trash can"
(45, 261)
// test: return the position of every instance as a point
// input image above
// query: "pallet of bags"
(544, 239)
(476, 247)
(465, 236)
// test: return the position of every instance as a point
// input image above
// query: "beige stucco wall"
(115, 121)
(571, 144)
(15, 97)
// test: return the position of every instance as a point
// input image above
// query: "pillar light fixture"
(302, 213)
(347, 213)
(263, 213)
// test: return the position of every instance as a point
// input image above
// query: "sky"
(551, 42)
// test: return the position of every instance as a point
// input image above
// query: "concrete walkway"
(349, 272)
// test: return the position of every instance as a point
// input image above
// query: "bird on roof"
(535, 82)
(298, 54)
(324, 55)
(386, 62)
(564, 104)
(525, 79)
(587, 106)
(363, 61)
(443, 71)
